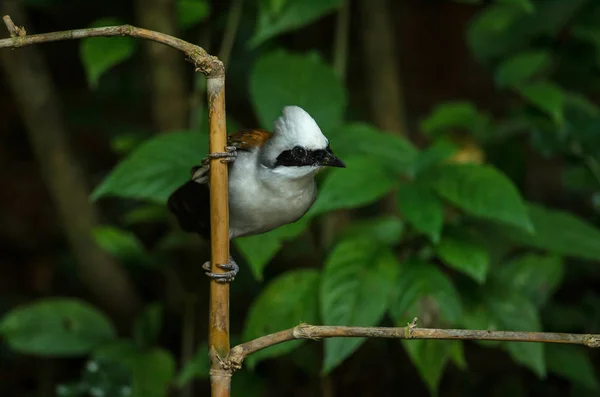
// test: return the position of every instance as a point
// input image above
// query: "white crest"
(296, 127)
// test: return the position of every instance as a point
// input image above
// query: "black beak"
(330, 160)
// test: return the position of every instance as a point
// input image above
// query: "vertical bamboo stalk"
(218, 335)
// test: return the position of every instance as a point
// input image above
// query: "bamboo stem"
(219, 222)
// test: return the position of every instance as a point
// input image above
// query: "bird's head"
(298, 147)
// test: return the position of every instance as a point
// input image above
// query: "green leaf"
(482, 191)
(516, 313)
(362, 182)
(430, 357)
(547, 97)
(356, 286)
(422, 209)
(280, 79)
(156, 168)
(100, 54)
(559, 232)
(148, 325)
(191, 12)
(121, 243)
(147, 213)
(522, 67)
(536, 276)
(152, 369)
(420, 282)
(197, 367)
(455, 115)
(434, 154)
(56, 327)
(395, 153)
(261, 248)
(572, 363)
(385, 230)
(287, 301)
(503, 28)
(277, 17)
(465, 256)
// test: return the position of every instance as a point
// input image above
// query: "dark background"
(404, 58)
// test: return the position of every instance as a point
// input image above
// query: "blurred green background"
(471, 197)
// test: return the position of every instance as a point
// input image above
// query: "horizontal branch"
(318, 332)
(207, 64)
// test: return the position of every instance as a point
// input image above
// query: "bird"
(271, 181)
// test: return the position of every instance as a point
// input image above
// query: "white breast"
(261, 199)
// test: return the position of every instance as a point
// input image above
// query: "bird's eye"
(299, 152)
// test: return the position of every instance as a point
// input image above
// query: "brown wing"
(248, 139)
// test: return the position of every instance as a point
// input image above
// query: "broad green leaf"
(579, 102)
(503, 28)
(449, 116)
(192, 12)
(430, 357)
(100, 54)
(559, 232)
(535, 275)
(156, 168)
(281, 79)
(197, 367)
(465, 256)
(260, 249)
(356, 287)
(56, 327)
(482, 191)
(422, 208)
(392, 151)
(152, 369)
(121, 243)
(385, 230)
(522, 67)
(547, 97)
(434, 154)
(362, 182)
(146, 213)
(419, 282)
(516, 313)
(280, 16)
(147, 326)
(285, 302)
(572, 363)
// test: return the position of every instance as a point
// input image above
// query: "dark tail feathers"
(190, 204)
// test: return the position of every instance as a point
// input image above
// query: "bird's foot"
(228, 156)
(227, 277)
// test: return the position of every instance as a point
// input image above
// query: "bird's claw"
(228, 156)
(227, 277)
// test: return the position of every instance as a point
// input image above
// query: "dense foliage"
(463, 246)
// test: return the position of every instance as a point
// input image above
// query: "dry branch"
(318, 332)
(207, 64)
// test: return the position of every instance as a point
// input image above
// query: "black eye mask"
(300, 157)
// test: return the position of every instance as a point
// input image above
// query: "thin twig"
(340, 54)
(233, 22)
(318, 332)
(207, 64)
